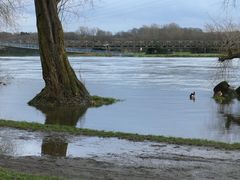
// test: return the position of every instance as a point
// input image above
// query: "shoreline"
(134, 161)
(30, 126)
(22, 53)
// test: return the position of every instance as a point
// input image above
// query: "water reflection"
(68, 116)
(55, 145)
(229, 114)
(230, 119)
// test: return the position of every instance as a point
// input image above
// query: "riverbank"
(34, 52)
(129, 160)
(165, 165)
(176, 54)
(30, 126)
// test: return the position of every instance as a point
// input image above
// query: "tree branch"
(229, 57)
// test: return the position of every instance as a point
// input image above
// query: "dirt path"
(127, 166)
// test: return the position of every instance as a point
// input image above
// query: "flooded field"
(155, 94)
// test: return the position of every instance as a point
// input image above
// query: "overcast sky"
(118, 15)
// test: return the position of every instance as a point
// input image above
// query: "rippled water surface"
(155, 94)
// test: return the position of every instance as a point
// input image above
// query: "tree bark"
(61, 84)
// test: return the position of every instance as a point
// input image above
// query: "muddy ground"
(162, 167)
(82, 157)
(181, 162)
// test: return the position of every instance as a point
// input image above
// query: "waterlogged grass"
(129, 54)
(100, 101)
(177, 54)
(128, 136)
(11, 175)
(223, 99)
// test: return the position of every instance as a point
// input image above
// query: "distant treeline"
(148, 33)
(145, 33)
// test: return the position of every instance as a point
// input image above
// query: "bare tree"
(7, 15)
(228, 3)
(69, 8)
(8, 10)
(230, 37)
(61, 84)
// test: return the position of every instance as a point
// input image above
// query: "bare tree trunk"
(61, 84)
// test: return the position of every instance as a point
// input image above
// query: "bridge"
(36, 47)
(130, 46)
(144, 46)
(19, 45)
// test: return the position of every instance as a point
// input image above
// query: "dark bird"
(192, 96)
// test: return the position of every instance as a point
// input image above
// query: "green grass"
(130, 54)
(223, 99)
(176, 54)
(121, 135)
(91, 54)
(28, 52)
(100, 101)
(11, 175)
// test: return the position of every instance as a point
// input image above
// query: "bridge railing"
(86, 46)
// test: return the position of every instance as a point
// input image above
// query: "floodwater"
(17, 143)
(155, 94)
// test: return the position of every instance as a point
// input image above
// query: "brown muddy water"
(155, 94)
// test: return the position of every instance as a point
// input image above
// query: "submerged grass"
(10, 175)
(30, 126)
(100, 101)
(223, 99)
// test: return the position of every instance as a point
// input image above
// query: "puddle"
(18, 143)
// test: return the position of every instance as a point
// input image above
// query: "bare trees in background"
(8, 10)
(146, 33)
(153, 32)
(7, 15)
(230, 33)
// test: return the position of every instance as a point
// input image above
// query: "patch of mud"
(75, 157)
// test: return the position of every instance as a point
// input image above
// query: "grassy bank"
(11, 175)
(128, 136)
(176, 54)
(29, 52)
